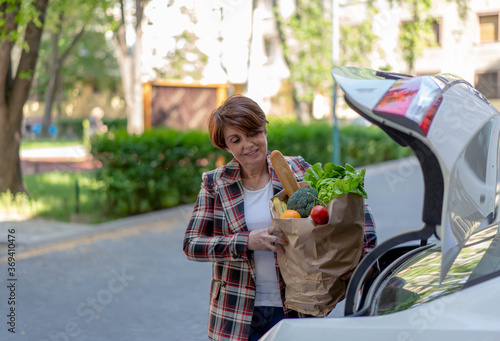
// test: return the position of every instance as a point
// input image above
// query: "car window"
(417, 281)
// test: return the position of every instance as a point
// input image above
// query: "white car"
(448, 290)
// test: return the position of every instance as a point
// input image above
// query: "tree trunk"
(13, 96)
(286, 55)
(52, 84)
(126, 65)
(56, 64)
(135, 123)
(49, 100)
(130, 70)
(10, 163)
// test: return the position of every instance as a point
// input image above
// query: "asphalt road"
(395, 195)
(136, 284)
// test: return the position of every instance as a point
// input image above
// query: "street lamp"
(335, 61)
(220, 38)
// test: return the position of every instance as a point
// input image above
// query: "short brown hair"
(239, 112)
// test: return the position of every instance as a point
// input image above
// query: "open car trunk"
(456, 143)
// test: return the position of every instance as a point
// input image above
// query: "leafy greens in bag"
(335, 180)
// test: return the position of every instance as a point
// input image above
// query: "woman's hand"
(265, 240)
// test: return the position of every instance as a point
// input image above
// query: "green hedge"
(359, 145)
(159, 169)
(143, 173)
(73, 127)
(70, 128)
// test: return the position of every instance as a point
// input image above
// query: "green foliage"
(306, 39)
(335, 180)
(308, 48)
(23, 14)
(178, 64)
(359, 145)
(162, 168)
(418, 33)
(159, 169)
(54, 196)
(415, 36)
(185, 59)
(70, 127)
(462, 8)
(356, 44)
(115, 124)
(49, 143)
(362, 146)
(91, 61)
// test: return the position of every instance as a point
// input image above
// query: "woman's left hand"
(265, 240)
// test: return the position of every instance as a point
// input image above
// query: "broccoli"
(302, 202)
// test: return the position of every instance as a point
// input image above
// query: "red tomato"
(319, 214)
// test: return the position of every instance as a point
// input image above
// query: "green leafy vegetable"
(333, 181)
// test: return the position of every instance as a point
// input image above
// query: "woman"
(231, 226)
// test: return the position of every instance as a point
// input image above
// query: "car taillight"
(416, 99)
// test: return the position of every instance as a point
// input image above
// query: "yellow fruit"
(278, 206)
(290, 214)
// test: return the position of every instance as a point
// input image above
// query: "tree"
(356, 44)
(66, 22)
(91, 62)
(417, 34)
(21, 22)
(306, 40)
(129, 60)
(185, 59)
(78, 54)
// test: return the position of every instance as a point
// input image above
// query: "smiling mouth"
(251, 153)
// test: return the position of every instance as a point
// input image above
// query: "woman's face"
(249, 151)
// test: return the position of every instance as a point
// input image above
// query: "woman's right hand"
(265, 240)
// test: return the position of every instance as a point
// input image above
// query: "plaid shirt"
(217, 233)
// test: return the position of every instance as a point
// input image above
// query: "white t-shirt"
(257, 216)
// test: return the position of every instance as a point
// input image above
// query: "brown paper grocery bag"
(317, 255)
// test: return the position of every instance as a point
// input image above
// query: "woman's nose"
(247, 142)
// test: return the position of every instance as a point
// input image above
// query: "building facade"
(466, 46)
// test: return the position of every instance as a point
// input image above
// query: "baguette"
(284, 172)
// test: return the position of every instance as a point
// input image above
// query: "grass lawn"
(54, 196)
(34, 144)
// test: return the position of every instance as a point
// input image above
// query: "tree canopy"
(306, 39)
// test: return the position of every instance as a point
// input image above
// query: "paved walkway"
(61, 153)
(64, 159)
